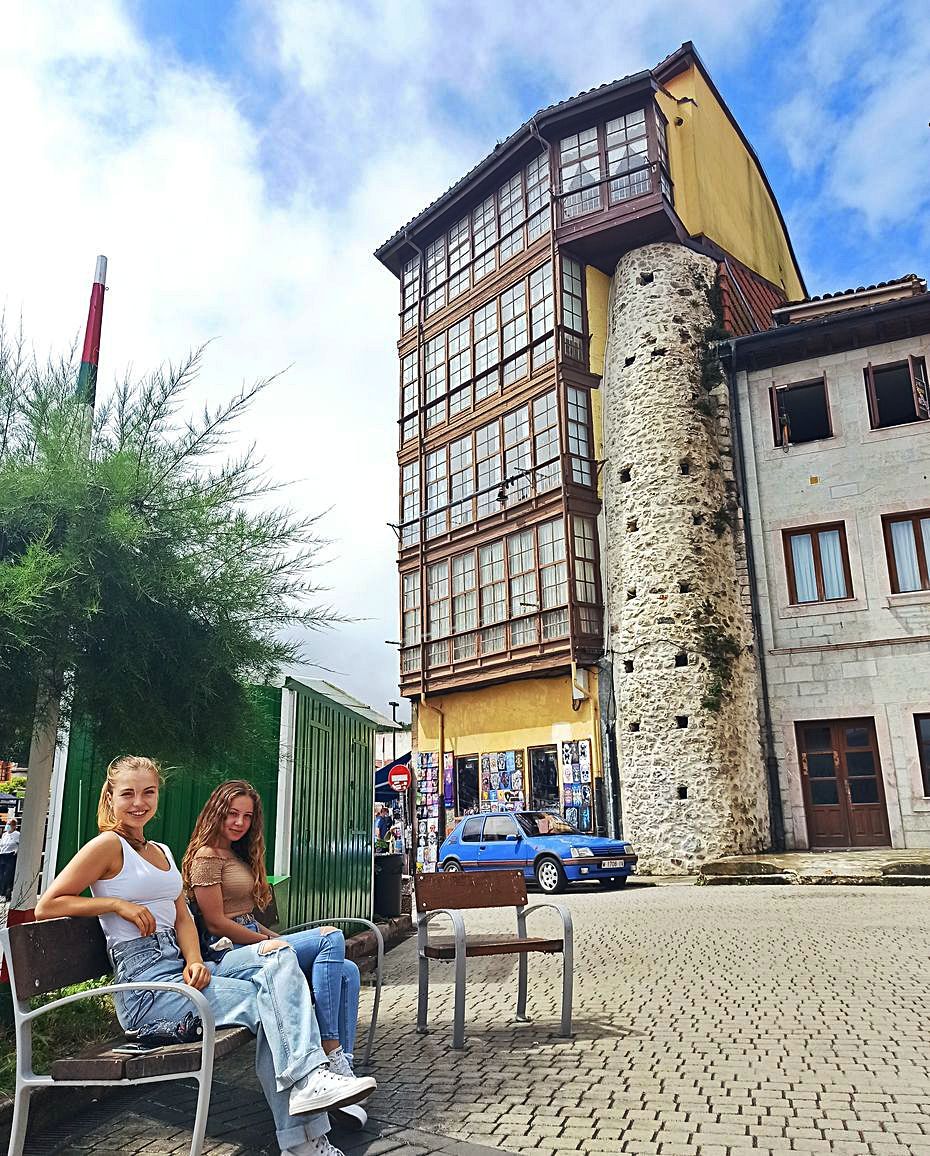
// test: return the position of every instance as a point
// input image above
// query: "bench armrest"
(564, 913)
(197, 998)
(458, 928)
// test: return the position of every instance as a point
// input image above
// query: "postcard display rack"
(577, 784)
(428, 788)
(503, 781)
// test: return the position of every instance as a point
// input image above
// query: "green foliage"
(725, 517)
(16, 786)
(60, 1033)
(710, 368)
(155, 570)
(721, 650)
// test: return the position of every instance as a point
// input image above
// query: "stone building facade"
(835, 428)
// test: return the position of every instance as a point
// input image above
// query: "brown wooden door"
(843, 791)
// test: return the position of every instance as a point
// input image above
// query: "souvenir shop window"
(466, 784)
(577, 783)
(502, 787)
(545, 794)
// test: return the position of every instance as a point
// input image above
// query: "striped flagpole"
(90, 358)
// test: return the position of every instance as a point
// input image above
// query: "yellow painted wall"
(597, 293)
(532, 712)
(719, 191)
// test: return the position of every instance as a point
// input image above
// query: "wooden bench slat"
(102, 1063)
(469, 890)
(444, 948)
(57, 953)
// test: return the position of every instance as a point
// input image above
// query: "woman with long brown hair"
(224, 872)
(138, 896)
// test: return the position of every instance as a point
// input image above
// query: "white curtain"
(831, 560)
(905, 553)
(802, 557)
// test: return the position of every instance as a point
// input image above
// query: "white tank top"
(139, 882)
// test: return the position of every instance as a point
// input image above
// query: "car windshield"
(535, 823)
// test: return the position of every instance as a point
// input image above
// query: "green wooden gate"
(332, 752)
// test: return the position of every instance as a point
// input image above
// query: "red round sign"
(399, 778)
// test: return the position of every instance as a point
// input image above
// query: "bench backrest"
(55, 953)
(464, 891)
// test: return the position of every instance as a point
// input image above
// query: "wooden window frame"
(923, 755)
(815, 531)
(923, 562)
(917, 369)
(654, 165)
(777, 429)
(455, 769)
(501, 239)
(584, 337)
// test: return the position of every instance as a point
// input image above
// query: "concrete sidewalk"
(880, 867)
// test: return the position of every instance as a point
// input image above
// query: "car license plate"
(608, 863)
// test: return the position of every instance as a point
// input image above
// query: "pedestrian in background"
(9, 846)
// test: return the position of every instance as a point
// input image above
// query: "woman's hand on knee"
(271, 945)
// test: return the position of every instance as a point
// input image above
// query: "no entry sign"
(399, 778)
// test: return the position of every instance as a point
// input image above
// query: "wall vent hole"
(634, 727)
(625, 474)
(681, 659)
(628, 361)
(681, 721)
(632, 525)
(646, 278)
(682, 792)
(631, 594)
(697, 519)
(685, 466)
(628, 665)
(684, 587)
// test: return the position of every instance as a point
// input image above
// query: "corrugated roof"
(342, 698)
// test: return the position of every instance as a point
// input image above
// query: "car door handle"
(482, 846)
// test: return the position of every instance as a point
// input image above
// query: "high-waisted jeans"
(265, 993)
(335, 980)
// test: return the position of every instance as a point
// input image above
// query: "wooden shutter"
(919, 387)
(782, 421)
(872, 395)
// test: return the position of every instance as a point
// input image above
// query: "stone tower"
(676, 598)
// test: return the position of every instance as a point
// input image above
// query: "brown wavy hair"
(250, 848)
(106, 820)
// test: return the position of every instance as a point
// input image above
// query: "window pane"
(905, 555)
(831, 560)
(863, 790)
(824, 793)
(802, 559)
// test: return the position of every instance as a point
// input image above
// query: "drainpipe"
(776, 811)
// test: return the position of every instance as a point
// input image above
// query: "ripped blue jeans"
(266, 993)
(334, 980)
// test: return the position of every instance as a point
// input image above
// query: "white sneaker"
(340, 1062)
(318, 1147)
(352, 1117)
(323, 1089)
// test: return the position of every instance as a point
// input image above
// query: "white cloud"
(258, 229)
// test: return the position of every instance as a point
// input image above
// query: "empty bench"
(448, 895)
(46, 956)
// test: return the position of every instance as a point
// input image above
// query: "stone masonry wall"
(691, 764)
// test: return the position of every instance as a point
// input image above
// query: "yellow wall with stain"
(531, 712)
(719, 190)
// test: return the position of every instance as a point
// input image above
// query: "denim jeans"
(334, 980)
(265, 993)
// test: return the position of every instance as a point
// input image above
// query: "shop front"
(511, 747)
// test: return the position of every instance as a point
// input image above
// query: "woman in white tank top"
(137, 895)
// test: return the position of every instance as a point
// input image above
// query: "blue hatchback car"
(539, 843)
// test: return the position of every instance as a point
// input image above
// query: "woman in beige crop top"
(224, 873)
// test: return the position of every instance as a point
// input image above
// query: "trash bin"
(389, 876)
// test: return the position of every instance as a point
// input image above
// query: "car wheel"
(614, 884)
(452, 865)
(550, 875)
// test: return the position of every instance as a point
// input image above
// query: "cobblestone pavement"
(709, 1022)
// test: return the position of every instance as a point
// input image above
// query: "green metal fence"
(186, 787)
(333, 793)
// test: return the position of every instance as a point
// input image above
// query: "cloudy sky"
(238, 163)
